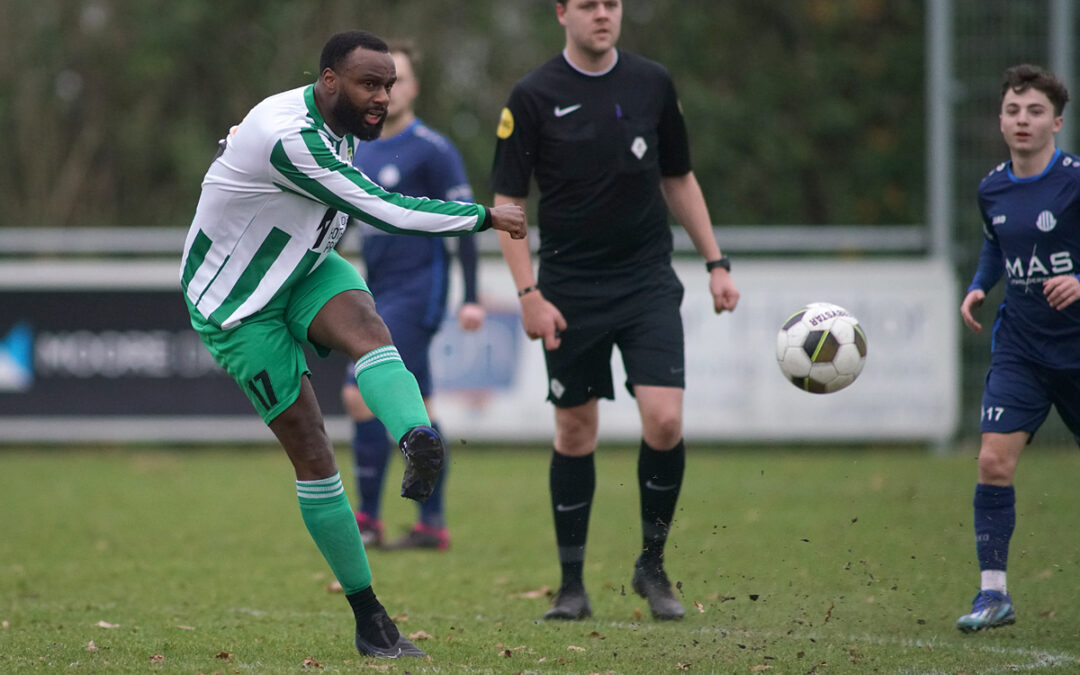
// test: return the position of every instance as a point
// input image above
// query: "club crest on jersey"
(1046, 221)
(389, 176)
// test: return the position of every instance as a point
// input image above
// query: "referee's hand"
(509, 218)
(542, 320)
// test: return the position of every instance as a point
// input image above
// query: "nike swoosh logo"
(660, 488)
(562, 112)
(573, 507)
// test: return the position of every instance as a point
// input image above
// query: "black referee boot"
(651, 582)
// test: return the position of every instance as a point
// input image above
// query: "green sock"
(324, 506)
(390, 391)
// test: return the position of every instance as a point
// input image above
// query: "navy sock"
(572, 481)
(432, 511)
(660, 476)
(995, 518)
(371, 450)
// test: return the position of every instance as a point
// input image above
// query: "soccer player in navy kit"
(1030, 207)
(409, 277)
(603, 134)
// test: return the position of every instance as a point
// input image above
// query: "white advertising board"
(908, 389)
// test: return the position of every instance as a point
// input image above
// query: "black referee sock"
(572, 482)
(660, 477)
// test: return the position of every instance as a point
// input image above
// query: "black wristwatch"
(722, 261)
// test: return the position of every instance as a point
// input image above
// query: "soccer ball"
(821, 348)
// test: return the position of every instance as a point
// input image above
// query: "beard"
(352, 118)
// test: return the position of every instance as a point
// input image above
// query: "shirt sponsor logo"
(639, 147)
(1038, 269)
(563, 112)
(998, 220)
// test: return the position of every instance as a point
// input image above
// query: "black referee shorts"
(640, 316)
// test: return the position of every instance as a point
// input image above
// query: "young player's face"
(592, 25)
(1028, 122)
(363, 93)
(405, 89)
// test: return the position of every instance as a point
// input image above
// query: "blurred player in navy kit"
(1030, 207)
(603, 134)
(409, 276)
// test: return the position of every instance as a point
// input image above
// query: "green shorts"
(265, 354)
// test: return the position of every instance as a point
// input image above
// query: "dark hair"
(408, 48)
(340, 45)
(1026, 76)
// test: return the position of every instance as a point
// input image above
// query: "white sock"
(993, 580)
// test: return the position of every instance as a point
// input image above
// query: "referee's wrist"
(723, 262)
(528, 289)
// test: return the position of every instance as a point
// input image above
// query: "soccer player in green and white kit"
(261, 277)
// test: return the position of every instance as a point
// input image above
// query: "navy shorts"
(1019, 393)
(641, 318)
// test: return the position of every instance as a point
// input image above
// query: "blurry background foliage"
(802, 112)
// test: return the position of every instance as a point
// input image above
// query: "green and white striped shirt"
(277, 201)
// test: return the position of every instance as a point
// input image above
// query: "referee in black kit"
(603, 132)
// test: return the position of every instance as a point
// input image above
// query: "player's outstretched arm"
(972, 301)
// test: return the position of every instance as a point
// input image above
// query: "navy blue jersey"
(418, 162)
(598, 145)
(1032, 230)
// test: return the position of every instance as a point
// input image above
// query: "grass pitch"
(195, 560)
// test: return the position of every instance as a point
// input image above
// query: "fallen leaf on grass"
(507, 653)
(595, 634)
(763, 666)
(311, 663)
(106, 624)
(541, 592)
(223, 655)
(700, 607)
(157, 658)
(574, 648)
(419, 635)
(638, 615)
(4, 624)
(828, 614)
(682, 666)
(186, 627)
(400, 618)
(91, 647)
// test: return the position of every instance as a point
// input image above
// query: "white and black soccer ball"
(821, 348)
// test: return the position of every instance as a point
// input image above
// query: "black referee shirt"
(598, 145)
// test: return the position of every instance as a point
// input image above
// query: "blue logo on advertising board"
(17, 358)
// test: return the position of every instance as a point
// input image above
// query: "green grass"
(790, 561)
